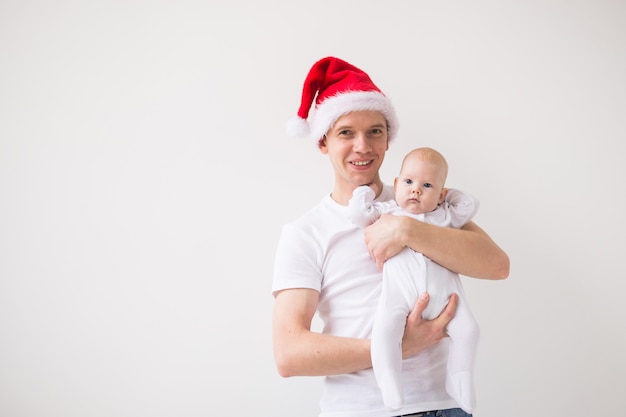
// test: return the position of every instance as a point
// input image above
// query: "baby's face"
(419, 188)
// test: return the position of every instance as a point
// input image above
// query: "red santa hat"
(341, 88)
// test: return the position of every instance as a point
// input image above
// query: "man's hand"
(384, 237)
(420, 334)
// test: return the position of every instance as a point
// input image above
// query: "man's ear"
(442, 197)
(322, 145)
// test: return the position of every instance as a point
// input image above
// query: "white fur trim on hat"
(331, 109)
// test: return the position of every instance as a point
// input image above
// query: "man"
(324, 264)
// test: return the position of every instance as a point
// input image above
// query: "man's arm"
(468, 251)
(300, 352)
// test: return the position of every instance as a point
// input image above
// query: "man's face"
(356, 145)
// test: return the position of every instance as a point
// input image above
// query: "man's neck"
(343, 195)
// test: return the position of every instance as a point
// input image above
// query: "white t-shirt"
(324, 251)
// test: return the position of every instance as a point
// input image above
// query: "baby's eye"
(408, 182)
(427, 185)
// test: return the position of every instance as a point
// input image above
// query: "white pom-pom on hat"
(298, 127)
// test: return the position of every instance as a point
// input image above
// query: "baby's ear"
(442, 197)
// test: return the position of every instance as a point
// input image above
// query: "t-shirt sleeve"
(296, 263)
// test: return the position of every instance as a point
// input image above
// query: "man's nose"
(361, 143)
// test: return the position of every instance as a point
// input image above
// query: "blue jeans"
(451, 412)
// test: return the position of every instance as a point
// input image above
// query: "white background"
(145, 175)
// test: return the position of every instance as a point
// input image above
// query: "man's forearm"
(316, 354)
(468, 251)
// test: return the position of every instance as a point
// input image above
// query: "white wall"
(143, 154)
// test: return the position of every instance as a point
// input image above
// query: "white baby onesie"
(406, 276)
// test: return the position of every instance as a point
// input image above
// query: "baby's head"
(420, 186)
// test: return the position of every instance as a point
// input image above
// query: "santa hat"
(341, 88)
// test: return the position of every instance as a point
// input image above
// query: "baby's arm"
(460, 208)
(362, 210)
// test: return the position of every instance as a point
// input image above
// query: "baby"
(419, 192)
